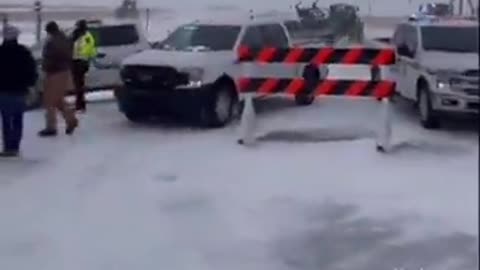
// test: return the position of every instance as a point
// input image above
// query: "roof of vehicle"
(442, 21)
(247, 19)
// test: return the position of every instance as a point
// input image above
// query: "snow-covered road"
(313, 195)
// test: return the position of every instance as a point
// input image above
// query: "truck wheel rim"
(423, 106)
(222, 106)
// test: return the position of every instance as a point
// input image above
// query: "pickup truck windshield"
(209, 37)
(436, 9)
(450, 39)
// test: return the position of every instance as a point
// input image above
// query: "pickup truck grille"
(472, 73)
(472, 91)
(152, 77)
(467, 81)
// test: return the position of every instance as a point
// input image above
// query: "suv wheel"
(221, 106)
(428, 119)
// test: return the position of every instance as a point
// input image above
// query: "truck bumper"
(156, 101)
(453, 104)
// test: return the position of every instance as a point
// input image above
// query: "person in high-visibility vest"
(84, 51)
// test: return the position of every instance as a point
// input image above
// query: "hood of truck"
(450, 61)
(179, 59)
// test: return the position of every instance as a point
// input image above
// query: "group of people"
(64, 63)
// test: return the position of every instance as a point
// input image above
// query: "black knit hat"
(52, 27)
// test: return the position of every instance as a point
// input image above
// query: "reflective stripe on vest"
(84, 48)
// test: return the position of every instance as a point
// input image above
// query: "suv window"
(118, 35)
(274, 36)
(253, 37)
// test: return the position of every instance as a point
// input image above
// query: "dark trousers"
(12, 109)
(79, 71)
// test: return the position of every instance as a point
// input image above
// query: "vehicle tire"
(221, 105)
(304, 100)
(311, 75)
(135, 116)
(428, 118)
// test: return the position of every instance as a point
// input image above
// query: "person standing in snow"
(18, 72)
(57, 62)
(84, 51)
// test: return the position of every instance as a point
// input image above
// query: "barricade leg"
(247, 122)
(384, 134)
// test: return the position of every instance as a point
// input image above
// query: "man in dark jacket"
(56, 64)
(18, 72)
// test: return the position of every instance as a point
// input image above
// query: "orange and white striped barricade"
(313, 80)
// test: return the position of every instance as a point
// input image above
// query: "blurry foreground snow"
(122, 196)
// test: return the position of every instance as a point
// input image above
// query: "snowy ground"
(162, 195)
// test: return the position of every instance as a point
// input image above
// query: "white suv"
(115, 40)
(438, 66)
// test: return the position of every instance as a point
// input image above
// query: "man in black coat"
(18, 72)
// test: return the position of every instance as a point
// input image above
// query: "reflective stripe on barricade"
(319, 56)
(380, 89)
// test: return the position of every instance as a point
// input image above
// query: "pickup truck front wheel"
(221, 106)
(304, 100)
(136, 116)
(428, 118)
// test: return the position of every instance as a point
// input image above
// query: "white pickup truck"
(437, 67)
(194, 70)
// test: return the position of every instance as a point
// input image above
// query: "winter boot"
(71, 127)
(9, 153)
(47, 133)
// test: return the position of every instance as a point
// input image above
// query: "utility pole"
(37, 7)
(460, 7)
(4, 22)
(147, 24)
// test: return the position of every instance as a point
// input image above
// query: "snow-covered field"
(314, 194)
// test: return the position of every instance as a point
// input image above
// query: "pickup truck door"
(406, 42)
(409, 71)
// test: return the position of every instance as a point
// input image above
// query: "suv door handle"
(101, 55)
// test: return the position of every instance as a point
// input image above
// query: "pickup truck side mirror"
(404, 51)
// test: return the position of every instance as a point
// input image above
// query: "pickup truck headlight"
(195, 75)
(442, 77)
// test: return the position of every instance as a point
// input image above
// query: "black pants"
(79, 70)
(11, 112)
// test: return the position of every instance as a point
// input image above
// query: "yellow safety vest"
(84, 47)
